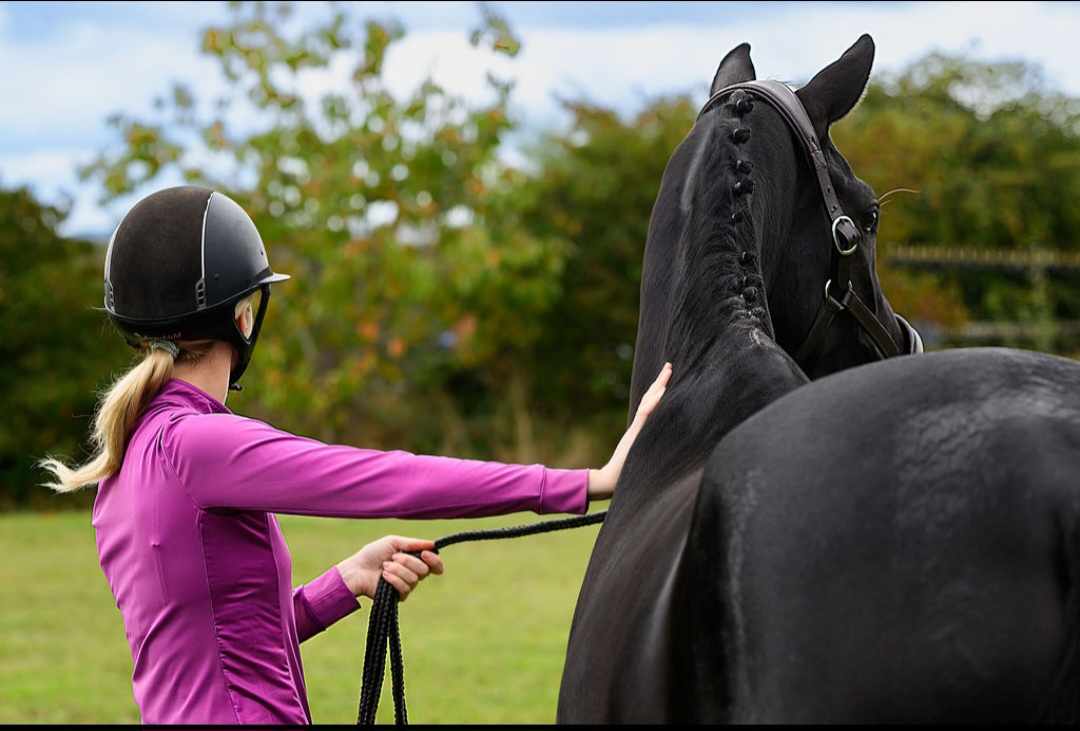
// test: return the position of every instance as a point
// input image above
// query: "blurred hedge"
(54, 347)
(445, 300)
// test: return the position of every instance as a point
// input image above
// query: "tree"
(994, 154)
(402, 296)
(445, 301)
(594, 188)
(56, 349)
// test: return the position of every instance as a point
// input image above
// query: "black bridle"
(846, 236)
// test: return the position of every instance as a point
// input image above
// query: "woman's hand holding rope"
(388, 558)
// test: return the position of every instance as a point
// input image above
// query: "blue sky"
(67, 66)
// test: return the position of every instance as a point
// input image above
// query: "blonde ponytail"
(118, 410)
(121, 406)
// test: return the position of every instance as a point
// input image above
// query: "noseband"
(846, 236)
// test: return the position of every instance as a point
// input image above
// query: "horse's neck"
(714, 325)
(738, 374)
(741, 372)
(685, 288)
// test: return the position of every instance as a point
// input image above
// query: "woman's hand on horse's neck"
(602, 481)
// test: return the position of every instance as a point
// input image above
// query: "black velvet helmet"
(177, 265)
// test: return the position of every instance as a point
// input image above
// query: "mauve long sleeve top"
(199, 567)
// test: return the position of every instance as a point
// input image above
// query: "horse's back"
(893, 543)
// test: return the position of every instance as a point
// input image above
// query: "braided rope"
(384, 632)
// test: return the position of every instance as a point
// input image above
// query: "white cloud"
(50, 166)
(51, 173)
(621, 65)
(69, 84)
(60, 89)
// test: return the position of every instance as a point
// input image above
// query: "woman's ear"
(836, 88)
(245, 321)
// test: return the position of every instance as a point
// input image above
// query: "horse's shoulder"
(892, 391)
(916, 419)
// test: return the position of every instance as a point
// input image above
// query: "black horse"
(894, 542)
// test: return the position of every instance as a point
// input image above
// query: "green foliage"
(445, 301)
(378, 208)
(594, 189)
(55, 348)
(995, 158)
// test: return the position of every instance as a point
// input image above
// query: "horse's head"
(827, 231)
(814, 221)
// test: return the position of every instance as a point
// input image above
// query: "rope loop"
(384, 633)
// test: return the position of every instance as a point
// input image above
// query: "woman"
(184, 518)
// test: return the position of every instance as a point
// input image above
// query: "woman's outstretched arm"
(232, 462)
(229, 461)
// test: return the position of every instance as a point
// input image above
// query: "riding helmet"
(177, 265)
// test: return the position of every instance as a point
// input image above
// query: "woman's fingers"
(656, 390)
(400, 543)
(433, 561)
(657, 387)
(403, 587)
(402, 572)
(401, 568)
(414, 564)
(661, 381)
(429, 560)
(400, 578)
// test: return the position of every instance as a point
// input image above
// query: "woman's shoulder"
(192, 431)
(189, 436)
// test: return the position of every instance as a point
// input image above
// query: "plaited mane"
(720, 285)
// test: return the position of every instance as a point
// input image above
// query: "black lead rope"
(383, 632)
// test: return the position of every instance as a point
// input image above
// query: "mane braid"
(719, 334)
(721, 284)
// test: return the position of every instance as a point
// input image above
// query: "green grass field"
(483, 644)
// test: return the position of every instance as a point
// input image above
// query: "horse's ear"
(837, 87)
(734, 69)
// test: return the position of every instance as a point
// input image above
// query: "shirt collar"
(178, 392)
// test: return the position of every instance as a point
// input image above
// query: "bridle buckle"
(836, 236)
(838, 304)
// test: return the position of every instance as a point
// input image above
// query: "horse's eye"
(871, 227)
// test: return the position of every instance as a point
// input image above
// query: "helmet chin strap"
(241, 328)
(247, 317)
(248, 324)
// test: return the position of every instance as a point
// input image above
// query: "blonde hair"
(120, 407)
